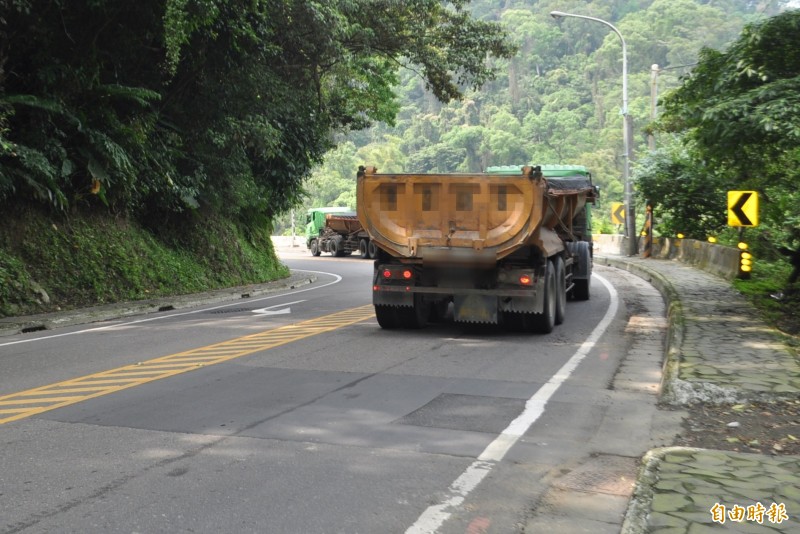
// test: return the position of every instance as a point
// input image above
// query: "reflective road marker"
(43, 399)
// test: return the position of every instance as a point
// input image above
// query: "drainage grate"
(230, 310)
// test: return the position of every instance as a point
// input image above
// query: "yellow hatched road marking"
(36, 400)
(13, 402)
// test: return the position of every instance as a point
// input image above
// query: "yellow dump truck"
(504, 247)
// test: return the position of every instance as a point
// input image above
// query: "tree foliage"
(559, 98)
(747, 97)
(739, 116)
(160, 107)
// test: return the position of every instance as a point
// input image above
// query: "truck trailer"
(508, 246)
(337, 231)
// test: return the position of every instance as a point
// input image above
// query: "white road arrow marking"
(269, 311)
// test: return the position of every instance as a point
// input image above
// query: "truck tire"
(561, 289)
(416, 316)
(543, 323)
(583, 268)
(387, 317)
(336, 246)
(315, 248)
(581, 289)
(363, 248)
(438, 311)
(372, 248)
(538, 323)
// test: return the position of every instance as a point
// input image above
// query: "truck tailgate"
(472, 217)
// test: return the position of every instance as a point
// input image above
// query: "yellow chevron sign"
(742, 208)
(617, 213)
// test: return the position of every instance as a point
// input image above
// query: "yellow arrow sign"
(742, 208)
(617, 213)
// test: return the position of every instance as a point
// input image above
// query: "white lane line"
(336, 280)
(433, 518)
(269, 309)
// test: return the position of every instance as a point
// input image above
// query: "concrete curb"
(49, 321)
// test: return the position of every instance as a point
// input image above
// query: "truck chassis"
(524, 297)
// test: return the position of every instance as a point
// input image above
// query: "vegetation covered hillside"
(146, 146)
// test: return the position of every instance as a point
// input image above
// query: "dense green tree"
(685, 194)
(739, 113)
(741, 107)
(160, 106)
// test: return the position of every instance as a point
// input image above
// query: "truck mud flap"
(475, 309)
(533, 304)
(392, 298)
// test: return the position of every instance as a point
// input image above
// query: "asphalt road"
(296, 413)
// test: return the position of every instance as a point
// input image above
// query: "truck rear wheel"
(582, 269)
(363, 248)
(544, 322)
(540, 323)
(372, 248)
(336, 246)
(561, 290)
(387, 317)
(315, 247)
(438, 311)
(417, 315)
(581, 289)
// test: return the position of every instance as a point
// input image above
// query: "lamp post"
(630, 222)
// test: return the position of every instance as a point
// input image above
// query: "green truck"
(337, 231)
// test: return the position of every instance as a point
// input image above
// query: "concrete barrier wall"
(282, 241)
(717, 259)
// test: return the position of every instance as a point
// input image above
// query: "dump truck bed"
(343, 223)
(474, 218)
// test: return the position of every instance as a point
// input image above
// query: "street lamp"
(630, 222)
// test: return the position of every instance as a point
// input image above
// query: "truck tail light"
(405, 274)
(525, 280)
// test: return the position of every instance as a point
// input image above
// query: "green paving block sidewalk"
(690, 491)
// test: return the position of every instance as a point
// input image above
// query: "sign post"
(647, 232)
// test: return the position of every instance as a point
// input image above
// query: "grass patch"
(48, 264)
